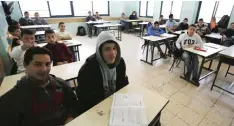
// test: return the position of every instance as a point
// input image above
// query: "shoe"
(195, 81)
(163, 56)
(187, 76)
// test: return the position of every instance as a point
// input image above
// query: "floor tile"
(198, 107)
(219, 119)
(166, 116)
(180, 98)
(176, 121)
(189, 116)
(175, 107)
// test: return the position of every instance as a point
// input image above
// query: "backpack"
(81, 31)
(223, 23)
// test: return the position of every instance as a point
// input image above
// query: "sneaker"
(163, 56)
(195, 81)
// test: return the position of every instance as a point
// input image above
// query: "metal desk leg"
(210, 64)
(78, 51)
(200, 69)
(217, 71)
(152, 55)
(147, 49)
(120, 33)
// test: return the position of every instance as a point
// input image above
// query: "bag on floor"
(81, 31)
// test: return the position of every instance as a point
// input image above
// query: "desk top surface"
(68, 43)
(66, 72)
(43, 32)
(214, 35)
(153, 102)
(97, 22)
(159, 38)
(35, 26)
(108, 25)
(229, 52)
(211, 49)
(180, 32)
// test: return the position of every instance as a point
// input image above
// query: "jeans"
(191, 63)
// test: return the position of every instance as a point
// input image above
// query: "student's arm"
(69, 54)
(179, 27)
(44, 22)
(168, 27)
(175, 25)
(199, 41)
(126, 82)
(16, 52)
(179, 41)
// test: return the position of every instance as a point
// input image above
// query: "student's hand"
(14, 37)
(69, 119)
(60, 63)
(65, 62)
(26, 46)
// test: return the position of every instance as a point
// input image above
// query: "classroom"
(117, 63)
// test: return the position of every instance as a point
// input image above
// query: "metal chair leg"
(227, 70)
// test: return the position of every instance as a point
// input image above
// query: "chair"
(177, 56)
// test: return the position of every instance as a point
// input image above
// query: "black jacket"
(228, 33)
(24, 22)
(182, 26)
(132, 17)
(29, 105)
(90, 89)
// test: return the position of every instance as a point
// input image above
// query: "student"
(133, 16)
(161, 20)
(183, 25)
(154, 30)
(229, 33)
(38, 99)
(191, 60)
(90, 17)
(171, 24)
(62, 34)
(202, 28)
(26, 20)
(17, 53)
(39, 20)
(15, 35)
(97, 16)
(213, 24)
(60, 53)
(122, 21)
(103, 73)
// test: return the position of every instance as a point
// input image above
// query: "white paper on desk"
(128, 110)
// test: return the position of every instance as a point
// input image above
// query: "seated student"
(133, 16)
(229, 33)
(171, 24)
(97, 16)
(213, 25)
(39, 20)
(202, 28)
(38, 99)
(191, 38)
(122, 21)
(14, 31)
(161, 20)
(60, 53)
(62, 34)
(10, 35)
(17, 53)
(154, 30)
(90, 17)
(26, 20)
(103, 73)
(183, 25)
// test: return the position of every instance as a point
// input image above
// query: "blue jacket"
(154, 32)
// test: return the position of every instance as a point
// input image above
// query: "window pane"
(176, 9)
(81, 7)
(166, 9)
(60, 8)
(224, 8)
(206, 10)
(101, 7)
(150, 11)
(35, 6)
(143, 8)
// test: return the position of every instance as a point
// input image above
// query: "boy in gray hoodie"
(191, 60)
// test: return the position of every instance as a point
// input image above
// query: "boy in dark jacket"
(202, 28)
(38, 99)
(229, 33)
(183, 25)
(133, 16)
(60, 53)
(26, 20)
(90, 17)
(103, 73)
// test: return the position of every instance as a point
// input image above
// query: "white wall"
(157, 8)
(189, 10)
(231, 17)
(130, 6)
(16, 14)
(117, 8)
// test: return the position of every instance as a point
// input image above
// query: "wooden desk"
(73, 45)
(107, 27)
(66, 72)
(180, 32)
(156, 41)
(209, 55)
(227, 57)
(154, 104)
(128, 22)
(35, 26)
(91, 23)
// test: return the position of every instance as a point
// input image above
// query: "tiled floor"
(189, 105)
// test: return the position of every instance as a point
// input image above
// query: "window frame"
(170, 10)
(146, 11)
(72, 11)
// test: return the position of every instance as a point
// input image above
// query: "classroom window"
(146, 8)
(224, 8)
(166, 9)
(35, 6)
(60, 8)
(101, 6)
(81, 8)
(206, 10)
(176, 9)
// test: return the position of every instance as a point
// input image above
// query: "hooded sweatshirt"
(29, 105)
(154, 32)
(185, 40)
(108, 71)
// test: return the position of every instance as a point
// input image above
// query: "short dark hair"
(12, 28)
(36, 13)
(200, 19)
(27, 32)
(156, 22)
(28, 56)
(171, 16)
(13, 22)
(60, 23)
(232, 23)
(25, 12)
(193, 25)
(186, 19)
(49, 31)
(161, 15)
